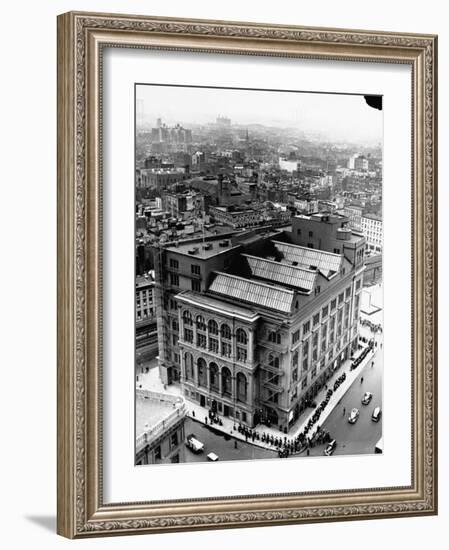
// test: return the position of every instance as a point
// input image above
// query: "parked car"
(377, 413)
(212, 457)
(329, 450)
(367, 398)
(353, 417)
(194, 444)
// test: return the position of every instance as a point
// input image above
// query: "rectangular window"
(242, 354)
(316, 319)
(310, 233)
(295, 375)
(295, 337)
(333, 304)
(323, 338)
(174, 439)
(336, 251)
(201, 340)
(305, 349)
(357, 284)
(188, 335)
(174, 264)
(306, 328)
(175, 339)
(226, 349)
(348, 292)
(325, 312)
(157, 453)
(196, 269)
(305, 364)
(196, 285)
(340, 298)
(174, 279)
(213, 345)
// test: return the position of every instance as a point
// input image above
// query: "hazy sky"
(339, 117)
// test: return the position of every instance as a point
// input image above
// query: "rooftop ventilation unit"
(223, 244)
(193, 251)
(207, 246)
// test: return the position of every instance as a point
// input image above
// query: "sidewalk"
(151, 381)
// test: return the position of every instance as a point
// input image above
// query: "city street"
(361, 437)
(222, 445)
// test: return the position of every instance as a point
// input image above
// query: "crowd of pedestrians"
(374, 327)
(304, 439)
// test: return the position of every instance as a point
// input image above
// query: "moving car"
(377, 413)
(367, 398)
(194, 444)
(212, 457)
(353, 417)
(329, 450)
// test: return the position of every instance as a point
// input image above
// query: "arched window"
(225, 332)
(273, 361)
(226, 381)
(242, 387)
(188, 361)
(187, 317)
(175, 325)
(202, 372)
(213, 373)
(200, 323)
(212, 327)
(242, 337)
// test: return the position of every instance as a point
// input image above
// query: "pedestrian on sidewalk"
(344, 411)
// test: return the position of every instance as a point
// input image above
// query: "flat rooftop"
(150, 411)
(203, 250)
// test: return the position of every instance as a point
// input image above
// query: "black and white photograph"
(258, 274)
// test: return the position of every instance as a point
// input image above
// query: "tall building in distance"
(253, 327)
(166, 139)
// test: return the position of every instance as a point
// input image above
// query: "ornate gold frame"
(81, 37)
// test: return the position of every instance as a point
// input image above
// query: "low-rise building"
(160, 433)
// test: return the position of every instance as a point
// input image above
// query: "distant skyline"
(338, 117)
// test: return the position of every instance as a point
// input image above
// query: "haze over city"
(338, 117)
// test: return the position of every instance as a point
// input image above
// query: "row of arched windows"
(214, 377)
(213, 329)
